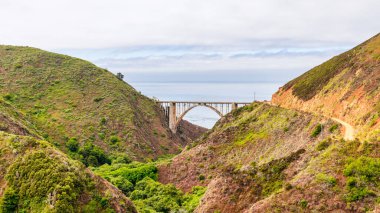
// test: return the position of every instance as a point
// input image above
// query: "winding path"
(349, 131)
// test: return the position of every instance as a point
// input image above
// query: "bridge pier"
(173, 117)
(234, 106)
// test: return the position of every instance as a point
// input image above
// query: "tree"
(120, 75)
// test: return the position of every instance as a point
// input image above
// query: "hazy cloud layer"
(248, 36)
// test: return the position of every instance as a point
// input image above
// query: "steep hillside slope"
(36, 177)
(190, 132)
(339, 176)
(251, 154)
(346, 87)
(67, 98)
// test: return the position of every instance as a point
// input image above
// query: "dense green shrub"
(325, 178)
(101, 135)
(98, 204)
(333, 128)
(139, 182)
(72, 144)
(39, 178)
(9, 201)
(191, 200)
(323, 145)
(362, 175)
(103, 121)
(121, 158)
(133, 172)
(93, 155)
(98, 99)
(92, 161)
(152, 195)
(18, 65)
(201, 177)
(162, 198)
(9, 97)
(317, 130)
(123, 184)
(114, 139)
(303, 203)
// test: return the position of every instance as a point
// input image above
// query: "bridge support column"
(173, 117)
(234, 106)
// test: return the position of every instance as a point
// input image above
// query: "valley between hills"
(76, 138)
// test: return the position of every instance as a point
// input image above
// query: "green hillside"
(365, 56)
(345, 87)
(36, 177)
(63, 120)
(290, 155)
(263, 158)
(251, 154)
(70, 101)
(59, 115)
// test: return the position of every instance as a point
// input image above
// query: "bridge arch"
(176, 110)
(181, 116)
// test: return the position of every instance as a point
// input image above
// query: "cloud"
(253, 58)
(179, 36)
(114, 23)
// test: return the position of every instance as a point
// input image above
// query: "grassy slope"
(312, 82)
(36, 177)
(340, 176)
(245, 157)
(65, 97)
(347, 86)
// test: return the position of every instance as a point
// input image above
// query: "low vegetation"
(311, 82)
(73, 128)
(247, 156)
(269, 177)
(362, 176)
(73, 103)
(42, 179)
(139, 182)
(323, 144)
(152, 196)
(43, 175)
(317, 130)
(327, 179)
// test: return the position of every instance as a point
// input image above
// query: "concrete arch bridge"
(176, 110)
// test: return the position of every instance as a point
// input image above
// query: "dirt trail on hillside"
(349, 131)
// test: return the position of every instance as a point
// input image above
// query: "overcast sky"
(279, 38)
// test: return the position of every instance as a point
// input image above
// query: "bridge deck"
(206, 102)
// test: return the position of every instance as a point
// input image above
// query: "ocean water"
(206, 91)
